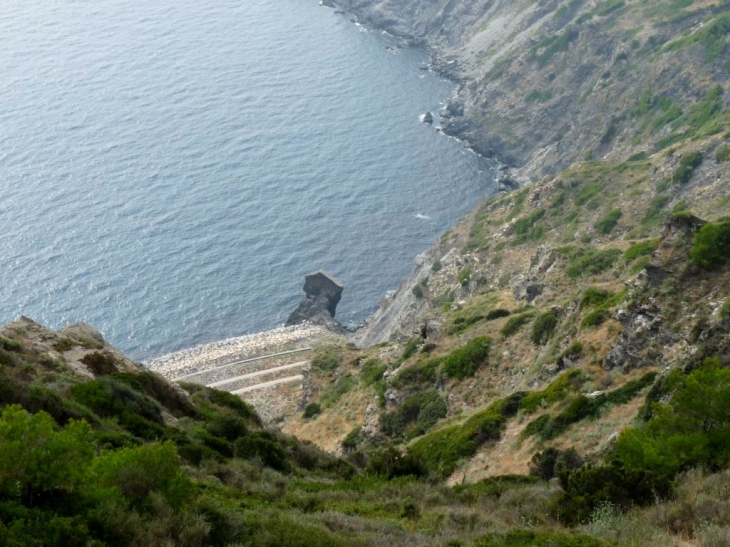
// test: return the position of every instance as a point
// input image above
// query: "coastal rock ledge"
(319, 305)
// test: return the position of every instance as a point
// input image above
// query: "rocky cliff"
(544, 84)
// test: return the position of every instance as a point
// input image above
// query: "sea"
(170, 170)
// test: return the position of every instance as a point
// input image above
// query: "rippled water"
(171, 170)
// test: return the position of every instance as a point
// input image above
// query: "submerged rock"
(319, 306)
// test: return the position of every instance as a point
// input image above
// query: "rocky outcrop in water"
(319, 306)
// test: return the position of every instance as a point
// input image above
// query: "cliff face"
(547, 83)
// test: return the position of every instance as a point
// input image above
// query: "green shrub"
(594, 319)
(424, 372)
(428, 347)
(443, 449)
(544, 327)
(528, 538)
(312, 410)
(591, 487)
(326, 358)
(353, 439)
(139, 471)
(336, 390)
(493, 486)
(554, 44)
(687, 165)
(711, 246)
(411, 347)
(465, 361)
(229, 428)
(423, 410)
(372, 371)
(592, 262)
(594, 296)
(464, 276)
(539, 96)
(100, 363)
(572, 352)
(9, 344)
(514, 324)
(692, 429)
(496, 314)
(436, 266)
(389, 463)
(724, 313)
(417, 291)
(556, 391)
(582, 408)
(607, 223)
(722, 154)
(109, 398)
(471, 315)
(654, 214)
(263, 446)
(643, 248)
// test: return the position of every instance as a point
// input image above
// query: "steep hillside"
(548, 83)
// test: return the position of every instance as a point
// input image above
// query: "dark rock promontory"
(319, 306)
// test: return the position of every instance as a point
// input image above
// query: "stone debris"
(216, 354)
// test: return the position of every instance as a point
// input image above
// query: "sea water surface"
(171, 170)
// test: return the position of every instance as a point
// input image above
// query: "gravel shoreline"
(215, 354)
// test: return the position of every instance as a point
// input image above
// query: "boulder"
(323, 293)
(427, 118)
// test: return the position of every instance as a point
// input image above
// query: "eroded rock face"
(319, 306)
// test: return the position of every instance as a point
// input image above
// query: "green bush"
(594, 296)
(390, 463)
(529, 538)
(109, 398)
(687, 165)
(465, 361)
(464, 276)
(722, 154)
(411, 347)
(592, 262)
(100, 363)
(594, 319)
(514, 324)
(9, 344)
(423, 410)
(336, 390)
(326, 358)
(557, 390)
(353, 439)
(312, 410)
(226, 427)
(572, 352)
(591, 487)
(711, 246)
(443, 449)
(422, 373)
(725, 311)
(544, 327)
(607, 223)
(636, 250)
(436, 266)
(493, 486)
(496, 314)
(372, 371)
(417, 291)
(263, 446)
(582, 408)
(692, 429)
